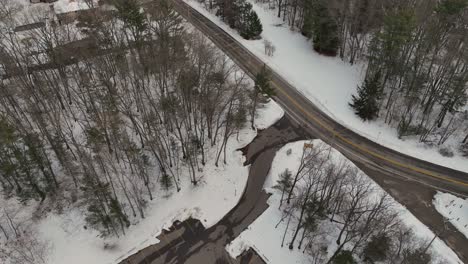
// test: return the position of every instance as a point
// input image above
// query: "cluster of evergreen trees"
(25, 167)
(141, 107)
(238, 14)
(416, 54)
(418, 70)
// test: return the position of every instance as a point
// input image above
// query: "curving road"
(326, 128)
(409, 180)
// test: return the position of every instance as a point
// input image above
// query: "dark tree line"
(133, 102)
(238, 14)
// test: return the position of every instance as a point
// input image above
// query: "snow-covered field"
(327, 82)
(454, 209)
(266, 239)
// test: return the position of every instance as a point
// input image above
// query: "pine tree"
(344, 257)
(262, 87)
(377, 248)
(166, 182)
(307, 28)
(464, 149)
(324, 29)
(96, 195)
(37, 157)
(416, 256)
(284, 183)
(129, 12)
(252, 27)
(366, 103)
(117, 213)
(104, 211)
(262, 83)
(239, 14)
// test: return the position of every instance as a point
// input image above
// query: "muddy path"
(189, 242)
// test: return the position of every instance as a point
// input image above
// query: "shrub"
(344, 257)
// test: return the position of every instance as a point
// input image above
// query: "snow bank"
(327, 82)
(271, 113)
(266, 239)
(453, 208)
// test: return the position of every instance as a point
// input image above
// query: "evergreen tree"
(262, 83)
(377, 248)
(8, 166)
(447, 8)
(251, 27)
(97, 195)
(104, 211)
(306, 29)
(37, 155)
(117, 213)
(284, 183)
(129, 12)
(416, 256)
(464, 149)
(366, 103)
(166, 182)
(396, 32)
(239, 14)
(262, 87)
(344, 257)
(323, 28)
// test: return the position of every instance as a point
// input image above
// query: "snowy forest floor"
(266, 239)
(453, 208)
(329, 83)
(218, 192)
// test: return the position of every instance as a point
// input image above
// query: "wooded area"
(238, 14)
(327, 197)
(415, 52)
(105, 114)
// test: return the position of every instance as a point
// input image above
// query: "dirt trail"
(189, 242)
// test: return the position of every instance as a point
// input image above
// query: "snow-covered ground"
(269, 114)
(60, 6)
(327, 82)
(266, 239)
(218, 191)
(63, 6)
(454, 209)
(26, 12)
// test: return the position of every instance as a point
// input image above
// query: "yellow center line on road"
(328, 128)
(370, 152)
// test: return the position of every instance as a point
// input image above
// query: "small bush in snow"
(446, 152)
(464, 149)
(344, 257)
(377, 248)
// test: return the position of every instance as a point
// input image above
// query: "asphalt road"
(409, 180)
(326, 128)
